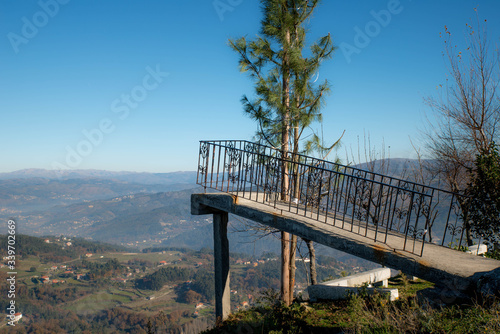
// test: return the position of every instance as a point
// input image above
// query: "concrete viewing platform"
(377, 217)
(444, 266)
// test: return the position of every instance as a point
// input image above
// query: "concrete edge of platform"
(455, 274)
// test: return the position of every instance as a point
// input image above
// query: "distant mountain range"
(135, 209)
(131, 177)
(120, 207)
(124, 219)
(36, 189)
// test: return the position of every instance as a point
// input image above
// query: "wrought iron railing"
(364, 202)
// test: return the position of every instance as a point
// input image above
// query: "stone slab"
(370, 277)
(477, 249)
(325, 292)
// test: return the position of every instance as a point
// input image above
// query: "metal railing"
(363, 202)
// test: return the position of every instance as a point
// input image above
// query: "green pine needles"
(287, 99)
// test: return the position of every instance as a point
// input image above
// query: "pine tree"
(287, 101)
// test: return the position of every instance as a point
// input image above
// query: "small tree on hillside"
(483, 201)
(287, 101)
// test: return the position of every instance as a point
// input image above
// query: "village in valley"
(90, 278)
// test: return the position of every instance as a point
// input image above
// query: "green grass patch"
(97, 302)
(408, 287)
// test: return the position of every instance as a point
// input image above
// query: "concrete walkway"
(457, 270)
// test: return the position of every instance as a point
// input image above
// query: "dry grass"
(367, 314)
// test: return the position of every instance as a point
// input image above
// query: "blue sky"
(134, 85)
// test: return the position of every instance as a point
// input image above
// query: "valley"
(101, 252)
(90, 286)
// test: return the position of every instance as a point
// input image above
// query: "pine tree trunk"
(312, 261)
(295, 191)
(285, 129)
(285, 265)
(285, 125)
(293, 251)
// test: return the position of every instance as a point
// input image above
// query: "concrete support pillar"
(221, 258)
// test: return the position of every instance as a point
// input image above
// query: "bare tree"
(467, 116)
